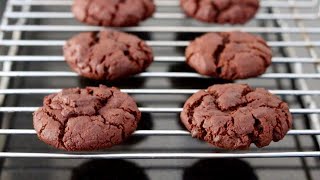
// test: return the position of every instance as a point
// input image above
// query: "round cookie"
(107, 55)
(229, 55)
(232, 116)
(221, 11)
(115, 13)
(86, 119)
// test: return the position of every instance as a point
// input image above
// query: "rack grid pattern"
(19, 12)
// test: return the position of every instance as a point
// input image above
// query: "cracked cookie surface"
(232, 116)
(221, 11)
(115, 13)
(229, 55)
(86, 119)
(107, 55)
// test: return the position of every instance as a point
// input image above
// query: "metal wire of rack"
(16, 22)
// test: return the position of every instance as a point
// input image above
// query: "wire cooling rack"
(33, 31)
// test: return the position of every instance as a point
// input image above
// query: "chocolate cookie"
(86, 119)
(229, 55)
(232, 116)
(221, 11)
(107, 55)
(113, 13)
